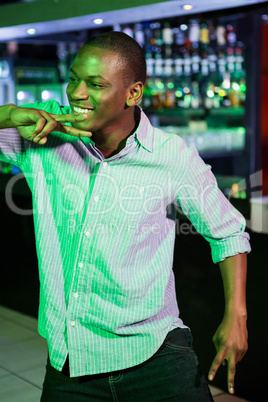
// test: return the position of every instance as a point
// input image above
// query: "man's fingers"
(69, 118)
(74, 131)
(41, 122)
(47, 122)
(220, 356)
(231, 374)
(231, 368)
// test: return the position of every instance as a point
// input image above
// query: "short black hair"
(130, 54)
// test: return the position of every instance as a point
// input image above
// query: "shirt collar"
(144, 133)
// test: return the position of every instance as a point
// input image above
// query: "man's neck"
(113, 143)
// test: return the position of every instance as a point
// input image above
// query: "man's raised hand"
(35, 124)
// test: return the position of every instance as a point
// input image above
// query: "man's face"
(97, 88)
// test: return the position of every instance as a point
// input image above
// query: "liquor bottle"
(117, 28)
(221, 62)
(170, 97)
(212, 34)
(127, 30)
(167, 36)
(187, 63)
(62, 55)
(234, 94)
(158, 93)
(179, 40)
(195, 62)
(230, 35)
(204, 36)
(206, 65)
(230, 59)
(212, 60)
(221, 38)
(139, 35)
(178, 66)
(239, 57)
(156, 39)
(196, 99)
(147, 94)
(209, 95)
(147, 34)
(194, 33)
(168, 67)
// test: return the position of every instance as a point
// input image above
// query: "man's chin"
(82, 125)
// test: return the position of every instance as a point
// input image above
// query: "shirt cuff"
(236, 244)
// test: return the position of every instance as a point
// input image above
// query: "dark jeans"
(171, 374)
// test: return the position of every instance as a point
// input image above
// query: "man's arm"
(36, 124)
(231, 338)
(5, 120)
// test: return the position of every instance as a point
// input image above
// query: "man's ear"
(135, 94)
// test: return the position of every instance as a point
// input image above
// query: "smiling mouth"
(80, 110)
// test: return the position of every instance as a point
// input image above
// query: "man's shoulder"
(50, 106)
(168, 141)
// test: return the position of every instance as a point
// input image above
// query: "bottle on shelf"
(139, 34)
(191, 65)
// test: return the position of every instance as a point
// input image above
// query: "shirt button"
(96, 199)
(87, 234)
(104, 164)
(72, 323)
(75, 295)
(80, 265)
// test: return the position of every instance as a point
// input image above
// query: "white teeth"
(79, 110)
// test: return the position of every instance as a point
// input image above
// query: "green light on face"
(170, 85)
(235, 86)
(210, 93)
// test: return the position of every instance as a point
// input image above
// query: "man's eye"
(72, 79)
(96, 85)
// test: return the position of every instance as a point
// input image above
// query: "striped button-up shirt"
(105, 231)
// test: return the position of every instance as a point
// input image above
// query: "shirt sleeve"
(12, 145)
(12, 149)
(210, 212)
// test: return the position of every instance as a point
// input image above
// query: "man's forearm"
(234, 275)
(5, 120)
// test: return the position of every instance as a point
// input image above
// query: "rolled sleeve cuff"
(236, 244)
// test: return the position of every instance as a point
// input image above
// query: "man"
(104, 188)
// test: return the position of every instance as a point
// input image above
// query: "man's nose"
(80, 92)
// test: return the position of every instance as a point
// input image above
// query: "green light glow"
(243, 88)
(226, 84)
(210, 93)
(222, 93)
(170, 85)
(160, 85)
(179, 93)
(235, 86)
